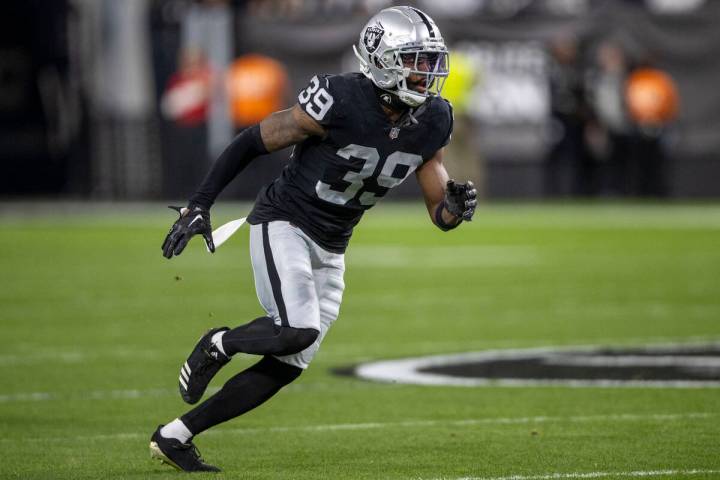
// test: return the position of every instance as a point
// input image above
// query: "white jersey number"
(395, 169)
(316, 101)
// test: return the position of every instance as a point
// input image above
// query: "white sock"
(176, 429)
(217, 341)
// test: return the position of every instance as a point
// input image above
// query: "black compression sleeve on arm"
(241, 151)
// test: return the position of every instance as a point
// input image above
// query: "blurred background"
(133, 99)
(111, 109)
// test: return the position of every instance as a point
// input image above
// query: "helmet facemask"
(411, 73)
(423, 74)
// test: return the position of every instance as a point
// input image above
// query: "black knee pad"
(263, 337)
(294, 340)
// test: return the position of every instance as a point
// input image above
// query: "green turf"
(95, 324)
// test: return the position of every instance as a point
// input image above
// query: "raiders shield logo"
(372, 38)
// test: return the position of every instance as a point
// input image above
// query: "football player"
(356, 136)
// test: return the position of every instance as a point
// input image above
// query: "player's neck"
(393, 107)
(393, 115)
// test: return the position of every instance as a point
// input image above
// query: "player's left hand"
(461, 199)
(193, 220)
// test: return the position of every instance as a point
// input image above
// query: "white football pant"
(298, 283)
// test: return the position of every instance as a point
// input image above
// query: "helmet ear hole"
(377, 62)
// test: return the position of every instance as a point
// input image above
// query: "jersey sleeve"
(447, 121)
(320, 99)
(440, 125)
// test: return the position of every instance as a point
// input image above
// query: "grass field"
(95, 324)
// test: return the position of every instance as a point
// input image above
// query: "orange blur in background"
(256, 88)
(652, 97)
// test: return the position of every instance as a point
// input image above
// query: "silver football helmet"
(402, 51)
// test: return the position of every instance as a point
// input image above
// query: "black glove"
(193, 220)
(461, 199)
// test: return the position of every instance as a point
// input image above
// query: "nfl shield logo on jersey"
(394, 133)
(372, 37)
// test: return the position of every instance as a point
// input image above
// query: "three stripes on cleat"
(184, 375)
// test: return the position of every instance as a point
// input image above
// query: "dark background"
(72, 125)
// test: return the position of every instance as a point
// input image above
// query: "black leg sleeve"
(263, 337)
(242, 393)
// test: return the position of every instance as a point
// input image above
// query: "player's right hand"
(193, 220)
(461, 199)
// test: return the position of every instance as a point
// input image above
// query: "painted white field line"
(165, 392)
(580, 475)
(468, 422)
(75, 356)
(90, 395)
(476, 421)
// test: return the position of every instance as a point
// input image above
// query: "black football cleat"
(183, 456)
(201, 366)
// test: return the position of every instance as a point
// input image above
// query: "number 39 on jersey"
(315, 100)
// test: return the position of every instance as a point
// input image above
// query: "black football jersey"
(331, 181)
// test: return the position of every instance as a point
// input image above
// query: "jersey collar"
(409, 116)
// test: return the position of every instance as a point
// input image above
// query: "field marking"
(75, 356)
(687, 361)
(433, 347)
(164, 392)
(468, 422)
(410, 370)
(580, 475)
(120, 394)
(90, 395)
